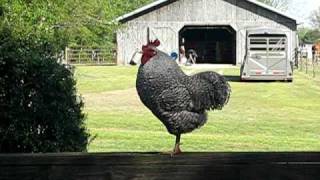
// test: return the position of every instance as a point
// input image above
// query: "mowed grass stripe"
(272, 116)
(155, 141)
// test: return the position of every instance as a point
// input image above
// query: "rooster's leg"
(177, 149)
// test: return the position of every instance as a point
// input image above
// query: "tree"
(315, 18)
(67, 22)
(40, 110)
(302, 32)
(278, 4)
(307, 35)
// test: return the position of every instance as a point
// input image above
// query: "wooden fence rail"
(141, 166)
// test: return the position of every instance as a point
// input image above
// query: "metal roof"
(153, 5)
(265, 30)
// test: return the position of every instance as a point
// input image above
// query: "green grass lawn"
(272, 116)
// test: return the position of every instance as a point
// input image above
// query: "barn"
(216, 29)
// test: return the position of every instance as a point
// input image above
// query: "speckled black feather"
(178, 100)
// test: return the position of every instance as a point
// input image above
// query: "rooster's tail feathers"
(216, 94)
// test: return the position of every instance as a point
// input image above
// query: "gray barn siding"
(166, 22)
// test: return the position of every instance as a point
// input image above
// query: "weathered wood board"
(105, 166)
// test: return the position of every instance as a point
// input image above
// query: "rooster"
(179, 101)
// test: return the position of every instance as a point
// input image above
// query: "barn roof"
(159, 3)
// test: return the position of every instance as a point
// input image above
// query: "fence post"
(313, 67)
(300, 61)
(79, 57)
(92, 56)
(66, 55)
(296, 58)
(307, 65)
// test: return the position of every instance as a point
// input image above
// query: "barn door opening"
(213, 44)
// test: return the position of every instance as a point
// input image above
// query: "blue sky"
(301, 9)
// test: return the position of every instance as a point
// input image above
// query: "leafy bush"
(39, 108)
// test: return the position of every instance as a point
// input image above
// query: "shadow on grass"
(233, 78)
(238, 79)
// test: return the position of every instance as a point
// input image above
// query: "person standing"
(182, 51)
(192, 56)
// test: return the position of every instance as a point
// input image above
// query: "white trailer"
(267, 55)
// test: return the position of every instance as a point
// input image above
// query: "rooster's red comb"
(154, 43)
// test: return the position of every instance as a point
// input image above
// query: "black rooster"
(178, 100)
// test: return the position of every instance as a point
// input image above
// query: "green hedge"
(39, 108)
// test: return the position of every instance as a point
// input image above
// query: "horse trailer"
(267, 56)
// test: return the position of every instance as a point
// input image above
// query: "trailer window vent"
(258, 49)
(277, 41)
(258, 41)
